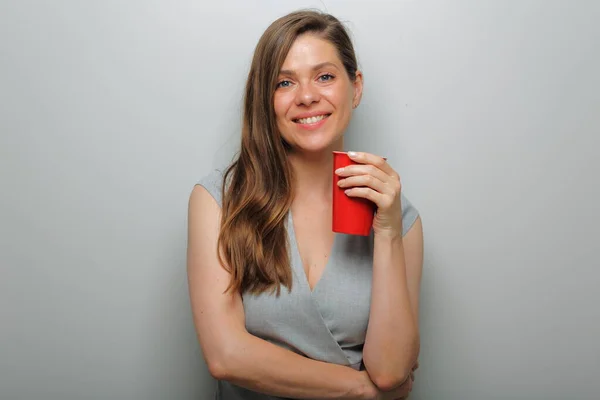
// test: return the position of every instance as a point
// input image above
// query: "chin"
(315, 145)
(325, 138)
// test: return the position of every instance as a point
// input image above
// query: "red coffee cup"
(351, 215)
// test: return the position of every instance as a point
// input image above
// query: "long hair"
(257, 188)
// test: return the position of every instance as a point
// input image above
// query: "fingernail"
(352, 154)
(339, 170)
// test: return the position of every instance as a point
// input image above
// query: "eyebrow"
(314, 68)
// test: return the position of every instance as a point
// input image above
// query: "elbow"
(217, 369)
(218, 363)
(221, 352)
(389, 382)
(387, 379)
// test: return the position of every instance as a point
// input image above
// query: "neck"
(313, 174)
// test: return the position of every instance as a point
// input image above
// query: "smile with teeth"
(311, 120)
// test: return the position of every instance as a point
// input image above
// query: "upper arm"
(413, 253)
(218, 316)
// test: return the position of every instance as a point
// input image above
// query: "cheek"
(341, 97)
(278, 107)
(281, 106)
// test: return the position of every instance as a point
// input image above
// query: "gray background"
(110, 111)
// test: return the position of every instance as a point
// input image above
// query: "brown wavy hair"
(257, 188)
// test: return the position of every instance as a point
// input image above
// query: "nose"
(307, 94)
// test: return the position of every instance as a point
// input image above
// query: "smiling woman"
(315, 93)
(283, 306)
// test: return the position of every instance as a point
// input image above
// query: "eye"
(326, 77)
(284, 84)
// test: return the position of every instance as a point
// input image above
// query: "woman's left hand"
(375, 180)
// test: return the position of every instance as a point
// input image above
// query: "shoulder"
(410, 214)
(204, 206)
(213, 183)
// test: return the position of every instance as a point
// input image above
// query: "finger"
(368, 158)
(369, 194)
(364, 169)
(367, 181)
(392, 184)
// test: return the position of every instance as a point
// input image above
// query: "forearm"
(263, 367)
(392, 340)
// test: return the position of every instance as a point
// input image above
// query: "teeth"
(311, 120)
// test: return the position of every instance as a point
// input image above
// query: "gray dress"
(328, 323)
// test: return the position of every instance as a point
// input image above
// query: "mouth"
(311, 120)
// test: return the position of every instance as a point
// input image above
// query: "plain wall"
(110, 111)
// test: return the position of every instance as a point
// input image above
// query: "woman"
(286, 308)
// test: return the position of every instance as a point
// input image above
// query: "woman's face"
(314, 97)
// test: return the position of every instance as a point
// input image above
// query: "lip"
(316, 125)
(310, 114)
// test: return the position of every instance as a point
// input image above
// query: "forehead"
(308, 50)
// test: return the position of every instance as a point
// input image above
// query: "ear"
(358, 89)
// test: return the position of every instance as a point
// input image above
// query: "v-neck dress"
(328, 323)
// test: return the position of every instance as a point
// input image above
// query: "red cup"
(351, 215)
